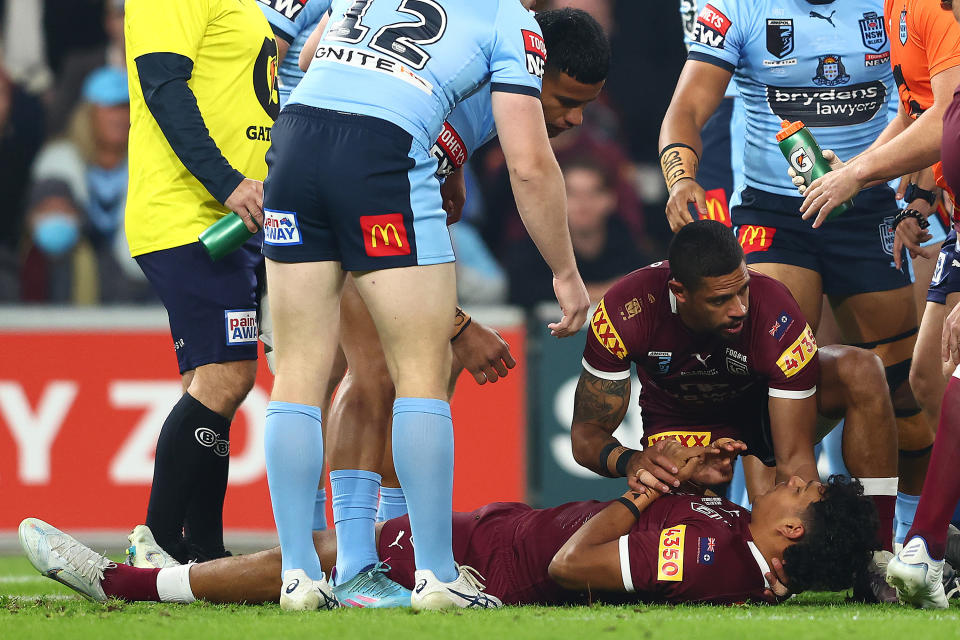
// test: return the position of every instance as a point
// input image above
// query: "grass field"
(32, 606)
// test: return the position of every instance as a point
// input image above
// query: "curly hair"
(576, 44)
(839, 539)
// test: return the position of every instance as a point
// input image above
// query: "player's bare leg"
(304, 303)
(926, 375)
(413, 308)
(805, 285)
(886, 323)
(358, 428)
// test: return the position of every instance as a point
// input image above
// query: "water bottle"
(225, 236)
(803, 153)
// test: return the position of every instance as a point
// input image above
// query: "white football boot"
(59, 557)
(145, 553)
(917, 577)
(466, 592)
(300, 593)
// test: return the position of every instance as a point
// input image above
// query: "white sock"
(173, 584)
(879, 486)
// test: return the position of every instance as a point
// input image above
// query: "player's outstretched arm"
(541, 200)
(699, 91)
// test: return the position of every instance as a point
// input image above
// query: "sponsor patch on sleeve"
(288, 8)
(670, 554)
(281, 228)
(795, 357)
(449, 151)
(605, 332)
(536, 52)
(241, 326)
(711, 28)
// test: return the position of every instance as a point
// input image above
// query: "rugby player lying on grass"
(679, 547)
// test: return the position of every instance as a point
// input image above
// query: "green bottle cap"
(224, 236)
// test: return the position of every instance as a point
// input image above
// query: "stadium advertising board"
(80, 411)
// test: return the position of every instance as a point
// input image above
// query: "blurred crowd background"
(64, 118)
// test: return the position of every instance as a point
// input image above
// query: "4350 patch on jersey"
(670, 554)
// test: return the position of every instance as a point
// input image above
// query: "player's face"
(786, 500)
(563, 101)
(719, 305)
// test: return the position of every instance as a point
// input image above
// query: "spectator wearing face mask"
(58, 265)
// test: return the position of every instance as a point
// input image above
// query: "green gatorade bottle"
(224, 236)
(803, 153)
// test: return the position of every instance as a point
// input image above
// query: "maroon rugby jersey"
(696, 387)
(684, 548)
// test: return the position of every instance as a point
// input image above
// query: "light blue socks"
(293, 447)
(355, 494)
(392, 504)
(320, 510)
(423, 457)
(906, 510)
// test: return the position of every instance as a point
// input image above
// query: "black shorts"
(852, 253)
(946, 275)
(353, 189)
(212, 306)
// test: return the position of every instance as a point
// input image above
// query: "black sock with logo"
(193, 438)
(203, 527)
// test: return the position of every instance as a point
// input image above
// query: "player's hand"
(909, 235)
(661, 464)
(453, 191)
(717, 468)
(574, 303)
(828, 192)
(684, 192)
(483, 353)
(778, 591)
(797, 179)
(950, 346)
(906, 181)
(247, 202)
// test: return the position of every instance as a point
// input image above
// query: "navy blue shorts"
(852, 253)
(212, 306)
(353, 189)
(946, 275)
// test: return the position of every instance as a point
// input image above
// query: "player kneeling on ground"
(578, 552)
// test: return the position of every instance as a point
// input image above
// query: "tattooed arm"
(598, 409)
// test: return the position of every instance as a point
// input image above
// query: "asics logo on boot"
(293, 586)
(478, 601)
(420, 586)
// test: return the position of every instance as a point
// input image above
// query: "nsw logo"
(281, 228)
(872, 31)
(887, 235)
(830, 71)
(241, 326)
(903, 27)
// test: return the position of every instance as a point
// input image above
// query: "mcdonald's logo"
(755, 238)
(384, 235)
(717, 207)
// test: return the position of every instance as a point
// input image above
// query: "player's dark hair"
(576, 44)
(703, 249)
(839, 539)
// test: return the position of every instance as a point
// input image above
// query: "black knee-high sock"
(188, 443)
(203, 528)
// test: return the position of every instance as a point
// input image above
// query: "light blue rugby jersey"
(294, 21)
(468, 127)
(825, 64)
(411, 64)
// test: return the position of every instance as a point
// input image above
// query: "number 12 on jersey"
(400, 40)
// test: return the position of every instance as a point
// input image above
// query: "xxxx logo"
(605, 332)
(686, 438)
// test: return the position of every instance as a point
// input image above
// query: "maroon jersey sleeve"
(616, 330)
(691, 562)
(784, 344)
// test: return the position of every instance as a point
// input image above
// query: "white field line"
(21, 579)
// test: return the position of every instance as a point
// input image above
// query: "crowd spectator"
(602, 243)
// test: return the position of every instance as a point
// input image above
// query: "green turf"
(34, 607)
